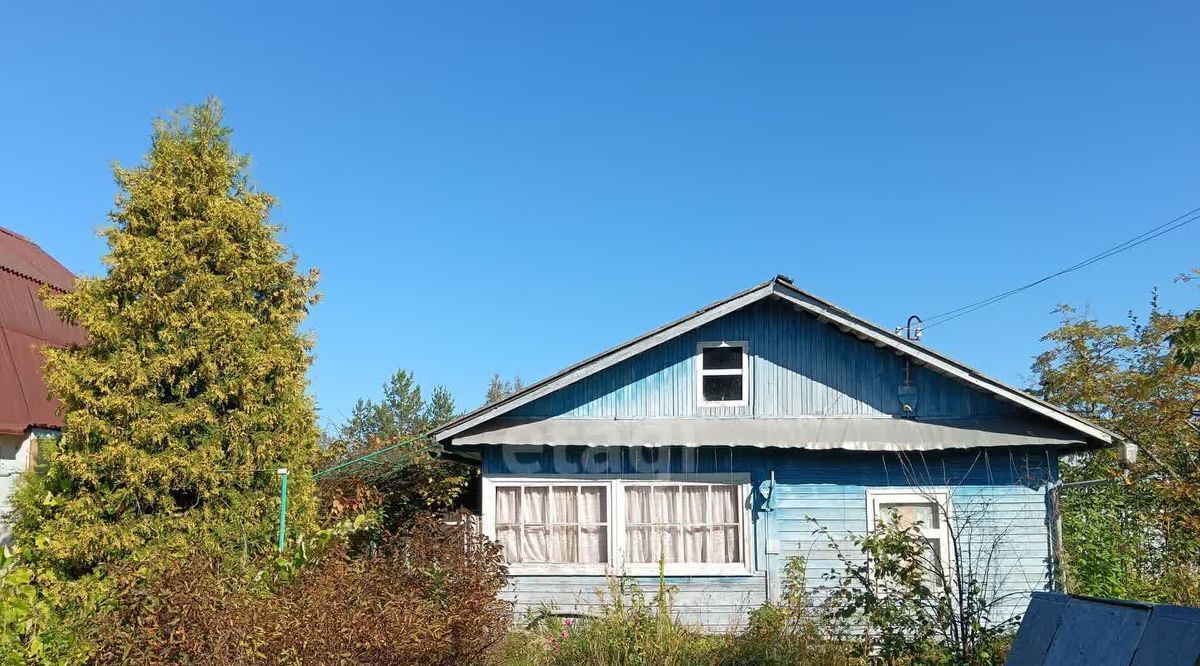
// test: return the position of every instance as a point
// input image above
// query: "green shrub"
(43, 618)
(906, 606)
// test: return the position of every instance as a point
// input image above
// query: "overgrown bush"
(629, 630)
(1122, 543)
(889, 604)
(908, 606)
(33, 630)
(429, 597)
(791, 631)
(634, 629)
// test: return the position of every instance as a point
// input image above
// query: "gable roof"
(826, 312)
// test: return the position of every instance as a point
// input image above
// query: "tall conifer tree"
(191, 389)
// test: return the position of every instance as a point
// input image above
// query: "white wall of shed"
(15, 458)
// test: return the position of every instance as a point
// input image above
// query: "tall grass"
(630, 629)
(634, 629)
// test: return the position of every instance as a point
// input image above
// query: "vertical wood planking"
(799, 367)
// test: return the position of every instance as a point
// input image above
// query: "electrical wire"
(1144, 237)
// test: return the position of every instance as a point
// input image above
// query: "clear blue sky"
(510, 186)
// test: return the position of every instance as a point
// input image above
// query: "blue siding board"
(716, 603)
(799, 367)
(1002, 490)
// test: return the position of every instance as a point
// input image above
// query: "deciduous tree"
(1139, 536)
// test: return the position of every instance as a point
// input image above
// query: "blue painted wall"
(1003, 491)
(799, 367)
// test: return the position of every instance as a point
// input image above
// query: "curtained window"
(682, 523)
(592, 526)
(562, 524)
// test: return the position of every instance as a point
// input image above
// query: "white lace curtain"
(554, 524)
(685, 523)
(568, 524)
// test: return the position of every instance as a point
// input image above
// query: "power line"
(1144, 237)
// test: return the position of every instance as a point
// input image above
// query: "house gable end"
(834, 365)
(798, 367)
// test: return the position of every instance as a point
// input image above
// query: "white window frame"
(489, 522)
(940, 497)
(744, 372)
(615, 506)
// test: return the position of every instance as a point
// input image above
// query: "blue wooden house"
(718, 443)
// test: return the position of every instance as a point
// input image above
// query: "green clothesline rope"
(369, 456)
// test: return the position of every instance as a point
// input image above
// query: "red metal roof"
(26, 325)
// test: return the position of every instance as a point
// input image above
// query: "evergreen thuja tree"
(191, 389)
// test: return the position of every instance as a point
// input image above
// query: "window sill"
(531, 569)
(669, 570)
(638, 570)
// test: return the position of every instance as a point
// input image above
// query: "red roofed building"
(26, 325)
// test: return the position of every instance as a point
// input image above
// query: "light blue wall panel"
(1001, 491)
(717, 603)
(799, 367)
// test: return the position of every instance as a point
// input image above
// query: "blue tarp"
(1064, 629)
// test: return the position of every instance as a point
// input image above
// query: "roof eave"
(950, 367)
(605, 359)
(824, 311)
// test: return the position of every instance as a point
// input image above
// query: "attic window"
(722, 370)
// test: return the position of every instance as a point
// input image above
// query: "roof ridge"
(14, 234)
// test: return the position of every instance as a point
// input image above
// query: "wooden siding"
(1003, 492)
(798, 367)
(716, 603)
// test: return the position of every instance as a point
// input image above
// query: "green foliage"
(888, 592)
(633, 628)
(34, 629)
(406, 469)
(191, 389)
(1103, 529)
(884, 607)
(630, 630)
(440, 408)
(792, 631)
(402, 413)
(912, 607)
(1139, 537)
(1185, 339)
(499, 389)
